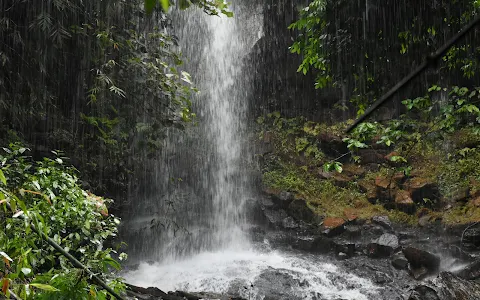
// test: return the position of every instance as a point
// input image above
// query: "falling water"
(212, 159)
(195, 201)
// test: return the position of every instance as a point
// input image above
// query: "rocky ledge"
(398, 258)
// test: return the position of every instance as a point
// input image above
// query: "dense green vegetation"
(429, 132)
(46, 194)
(365, 47)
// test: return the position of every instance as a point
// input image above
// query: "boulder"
(344, 247)
(471, 236)
(418, 273)
(384, 246)
(289, 223)
(322, 244)
(275, 217)
(404, 201)
(419, 259)
(421, 189)
(383, 221)
(470, 272)
(277, 284)
(333, 226)
(299, 210)
(399, 261)
(353, 231)
(283, 199)
(447, 287)
(303, 243)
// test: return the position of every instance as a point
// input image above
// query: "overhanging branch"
(429, 61)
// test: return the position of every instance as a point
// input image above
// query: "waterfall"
(195, 201)
(189, 228)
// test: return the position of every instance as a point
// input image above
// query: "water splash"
(240, 273)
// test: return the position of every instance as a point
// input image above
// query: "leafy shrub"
(47, 194)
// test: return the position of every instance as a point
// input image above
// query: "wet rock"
(421, 189)
(344, 247)
(353, 231)
(470, 272)
(404, 202)
(254, 212)
(289, 223)
(299, 210)
(381, 278)
(324, 175)
(256, 233)
(283, 199)
(418, 273)
(447, 287)
(333, 226)
(384, 246)
(458, 253)
(423, 292)
(399, 261)
(266, 202)
(146, 293)
(471, 236)
(383, 221)
(322, 244)
(303, 243)
(419, 259)
(277, 284)
(275, 217)
(386, 188)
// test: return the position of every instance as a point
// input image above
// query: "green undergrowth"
(46, 195)
(448, 158)
(324, 197)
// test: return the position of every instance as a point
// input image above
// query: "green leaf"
(149, 5)
(338, 167)
(165, 5)
(2, 177)
(44, 287)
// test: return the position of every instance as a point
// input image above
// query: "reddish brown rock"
(330, 223)
(333, 226)
(386, 188)
(404, 202)
(384, 183)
